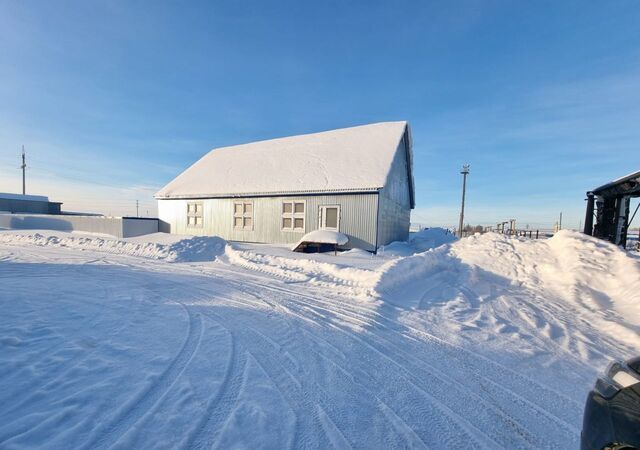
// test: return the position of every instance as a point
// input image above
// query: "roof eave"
(370, 190)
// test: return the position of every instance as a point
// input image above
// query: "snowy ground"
(488, 342)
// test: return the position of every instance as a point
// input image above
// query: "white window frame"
(243, 215)
(322, 218)
(195, 211)
(293, 215)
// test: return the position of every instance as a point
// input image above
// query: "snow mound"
(189, 249)
(357, 281)
(356, 253)
(322, 237)
(419, 242)
(431, 238)
(582, 269)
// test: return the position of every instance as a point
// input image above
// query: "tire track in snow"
(348, 313)
(265, 353)
(221, 404)
(298, 396)
(508, 420)
(146, 401)
(463, 423)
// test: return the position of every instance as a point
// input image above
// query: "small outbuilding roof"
(29, 198)
(345, 160)
(627, 185)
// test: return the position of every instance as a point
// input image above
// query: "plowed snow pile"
(188, 249)
(568, 298)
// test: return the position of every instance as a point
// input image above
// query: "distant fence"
(120, 227)
(531, 234)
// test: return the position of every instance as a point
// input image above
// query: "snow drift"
(419, 242)
(188, 249)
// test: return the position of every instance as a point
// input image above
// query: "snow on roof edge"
(345, 191)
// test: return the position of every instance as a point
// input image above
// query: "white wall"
(113, 226)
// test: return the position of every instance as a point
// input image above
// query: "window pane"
(299, 223)
(199, 221)
(286, 222)
(287, 208)
(237, 222)
(299, 207)
(198, 208)
(331, 219)
(237, 208)
(248, 208)
(188, 208)
(247, 222)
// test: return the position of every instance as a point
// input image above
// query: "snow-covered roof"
(344, 160)
(32, 198)
(627, 185)
(322, 237)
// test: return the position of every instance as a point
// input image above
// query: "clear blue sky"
(114, 99)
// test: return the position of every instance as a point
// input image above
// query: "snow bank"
(357, 280)
(404, 271)
(359, 272)
(587, 271)
(419, 242)
(187, 249)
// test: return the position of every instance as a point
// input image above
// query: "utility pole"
(560, 222)
(464, 172)
(137, 206)
(23, 167)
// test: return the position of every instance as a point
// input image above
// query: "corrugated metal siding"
(393, 222)
(395, 201)
(357, 218)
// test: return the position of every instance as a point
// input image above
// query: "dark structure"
(610, 206)
(36, 204)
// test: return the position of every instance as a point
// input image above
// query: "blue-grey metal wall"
(358, 213)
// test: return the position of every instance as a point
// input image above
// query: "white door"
(330, 217)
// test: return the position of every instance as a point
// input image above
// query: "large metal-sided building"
(357, 181)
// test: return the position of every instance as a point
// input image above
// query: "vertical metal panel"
(133, 226)
(394, 215)
(393, 221)
(357, 218)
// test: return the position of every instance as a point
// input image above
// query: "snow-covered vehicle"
(612, 412)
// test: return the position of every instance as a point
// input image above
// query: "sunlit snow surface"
(485, 342)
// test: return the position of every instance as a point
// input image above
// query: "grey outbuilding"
(357, 181)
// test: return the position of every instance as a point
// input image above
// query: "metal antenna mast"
(464, 172)
(23, 167)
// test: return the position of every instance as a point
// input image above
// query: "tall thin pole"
(464, 172)
(560, 222)
(588, 220)
(23, 167)
(137, 206)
